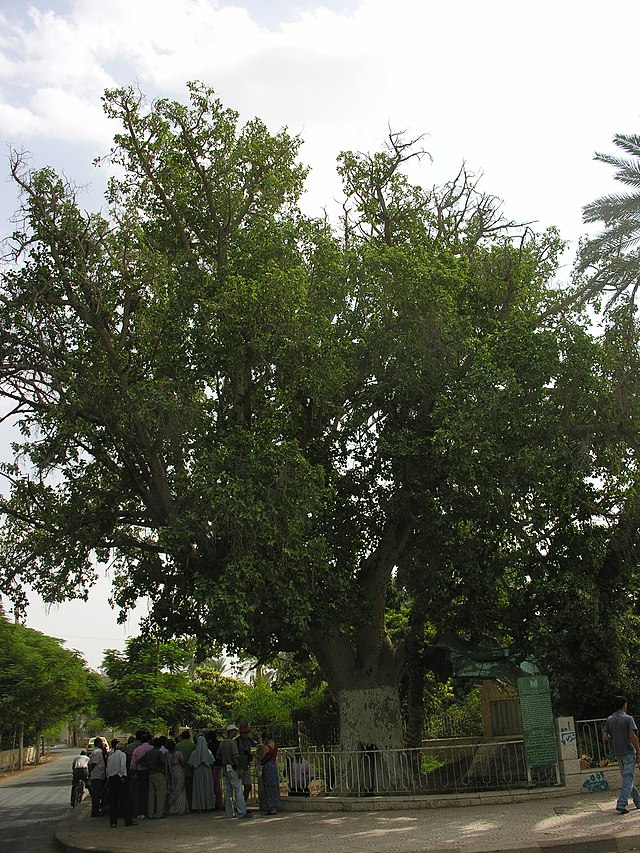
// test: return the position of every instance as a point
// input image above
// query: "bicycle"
(77, 792)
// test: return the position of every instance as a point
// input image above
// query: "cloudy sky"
(522, 92)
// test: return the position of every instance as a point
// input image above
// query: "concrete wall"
(496, 691)
(9, 757)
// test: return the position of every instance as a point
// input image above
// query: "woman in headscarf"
(202, 798)
(174, 772)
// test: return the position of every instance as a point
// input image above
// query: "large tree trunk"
(360, 663)
(363, 673)
(416, 673)
(371, 759)
(370, 718)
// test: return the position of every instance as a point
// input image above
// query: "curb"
(75, 834)
(602, 844)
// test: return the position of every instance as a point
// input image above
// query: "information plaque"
(537, 721)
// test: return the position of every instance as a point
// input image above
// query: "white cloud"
(524, 93)
(21, 120)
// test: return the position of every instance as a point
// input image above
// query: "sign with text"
(537, 721)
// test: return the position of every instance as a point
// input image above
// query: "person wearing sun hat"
(229, 754)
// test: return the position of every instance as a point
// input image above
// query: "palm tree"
(611, 260)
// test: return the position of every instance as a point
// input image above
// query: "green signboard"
(537, 721)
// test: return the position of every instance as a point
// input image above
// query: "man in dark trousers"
(98, 776)
(620, 729)
(118, 787)
(154, 761)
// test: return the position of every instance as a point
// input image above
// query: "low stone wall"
(418, 802)
(9, 758)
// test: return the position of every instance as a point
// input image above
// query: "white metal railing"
(480, 766)
(592, 750)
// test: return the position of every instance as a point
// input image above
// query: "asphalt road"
(32, 801)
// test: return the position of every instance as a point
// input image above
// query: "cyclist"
(80, 768)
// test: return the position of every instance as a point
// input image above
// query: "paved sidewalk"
(573, 823)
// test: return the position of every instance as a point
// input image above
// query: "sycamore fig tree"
(264, 423)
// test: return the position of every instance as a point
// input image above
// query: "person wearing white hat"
(229, 754)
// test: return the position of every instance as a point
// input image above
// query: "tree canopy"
(159, 685)
(265, 422)
(149, 684)
(42, 685)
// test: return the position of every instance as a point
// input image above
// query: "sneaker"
(622, 811)
(246, 814)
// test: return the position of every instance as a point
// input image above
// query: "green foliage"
(153, 684)
(274, 429)
(265, 705)
(452, 714)
(41, 684)
(430, 762)
(219, 696)
(145, 654)
(149, 686)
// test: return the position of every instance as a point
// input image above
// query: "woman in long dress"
(267, 754)
(201, 760)
(174, 772)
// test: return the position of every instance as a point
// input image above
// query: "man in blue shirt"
(621, 730)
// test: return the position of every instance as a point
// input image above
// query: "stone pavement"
(556, 822)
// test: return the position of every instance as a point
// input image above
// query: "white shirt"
(80, 761)
(117, 763)
(96, 765)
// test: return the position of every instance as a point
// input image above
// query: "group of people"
(157, 777)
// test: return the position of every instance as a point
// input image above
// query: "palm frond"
(613, 242)
(611, 207)
(628, 170)
(629, 142)
(616, 276)
(610, 261)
